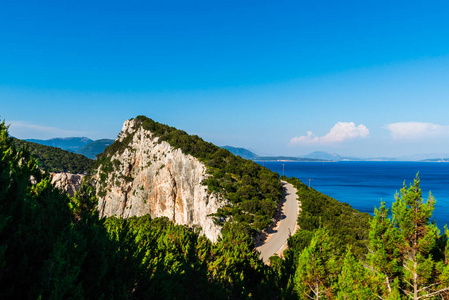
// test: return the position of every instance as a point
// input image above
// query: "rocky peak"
(142, 175)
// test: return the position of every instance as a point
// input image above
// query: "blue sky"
(363, 78)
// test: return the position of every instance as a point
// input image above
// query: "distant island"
(321, 156)
(436, 160)
(247, 154)
(290, 158)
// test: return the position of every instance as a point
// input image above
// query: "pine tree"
(403, 249)
(417, 240)
(353, 281)
(317, 268)
(443, 266)
(383, 258)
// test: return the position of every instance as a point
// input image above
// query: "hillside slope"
(242, 152)
(68, 143)
(56, 160)
(158, 170)
(91, 150)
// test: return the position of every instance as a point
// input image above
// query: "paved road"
(285, 227)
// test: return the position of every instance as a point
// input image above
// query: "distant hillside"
(425, 157)
(329, 156)
(323, 155)
(54, 159)
(431, 157)
(287, 158)
(70, 143)
(95, 148)
(242, 152)
(436, 160)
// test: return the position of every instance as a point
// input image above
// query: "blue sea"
(364, 184)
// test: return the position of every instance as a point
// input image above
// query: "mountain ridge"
(55, 159)
(65, 143)
(157, 169)
(94, 148)
(81, 145)
(329, 156)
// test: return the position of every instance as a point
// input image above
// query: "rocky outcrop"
(67, 182)
(152, 177)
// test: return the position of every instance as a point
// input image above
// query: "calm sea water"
(364, 184)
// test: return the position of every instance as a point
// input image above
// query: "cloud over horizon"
(339, 133)
(24, 130)
(416, 130)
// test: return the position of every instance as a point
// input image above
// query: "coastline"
(364, 184)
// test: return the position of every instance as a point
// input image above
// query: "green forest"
(56, 160)
(56, 247)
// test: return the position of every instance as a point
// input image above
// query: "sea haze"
(363, 184)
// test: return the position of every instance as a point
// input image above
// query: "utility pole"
(310, 179)
(283, 169)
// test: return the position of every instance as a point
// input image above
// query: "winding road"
(285, 227)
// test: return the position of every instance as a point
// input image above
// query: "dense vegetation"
(346, 226)
(254, 191)
(53, 246)
(54, 159)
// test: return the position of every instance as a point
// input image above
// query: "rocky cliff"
(67, 182)
(149, 176)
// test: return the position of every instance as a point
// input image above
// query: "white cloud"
(340, 132)
(416, 130)
(21, 129)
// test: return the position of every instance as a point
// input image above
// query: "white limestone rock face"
(67, 182)
(151, 177)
